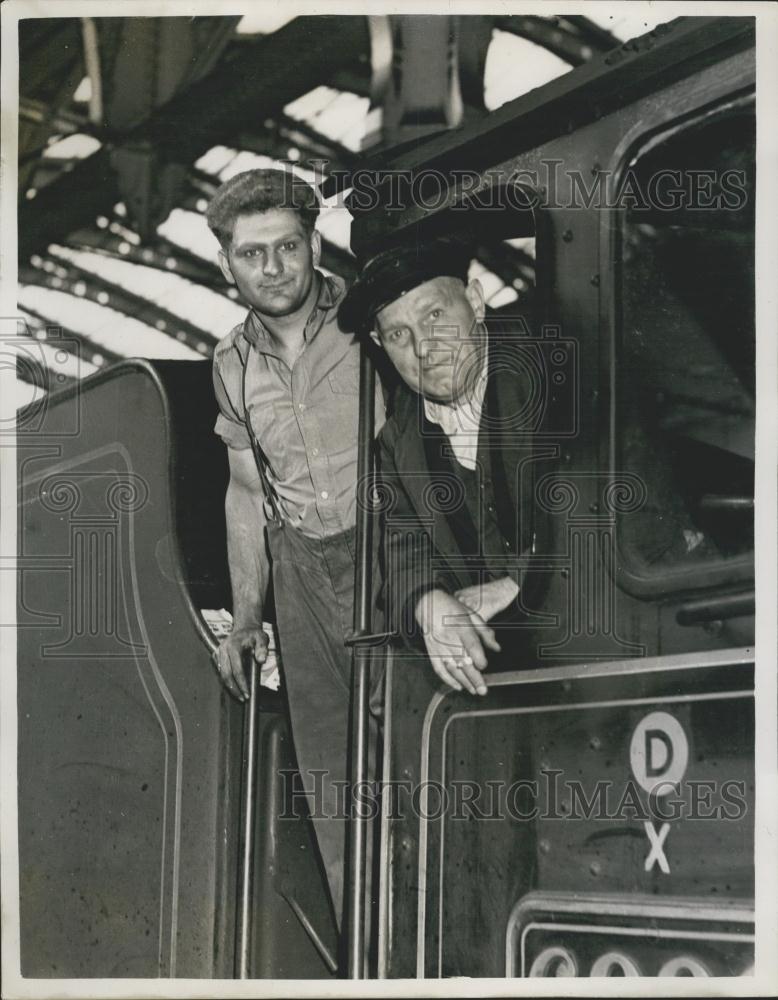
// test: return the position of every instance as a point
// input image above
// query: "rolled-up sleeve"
(229, 425)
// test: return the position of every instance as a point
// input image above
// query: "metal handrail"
(357, 875)
(248, 798)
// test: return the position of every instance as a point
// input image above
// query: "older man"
(287, 381)
(451, 456)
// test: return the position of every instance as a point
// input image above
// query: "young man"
(450, 456)
(287, 383)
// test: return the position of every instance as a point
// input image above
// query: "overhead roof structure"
(129, 268)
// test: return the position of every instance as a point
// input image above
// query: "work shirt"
(305, 418)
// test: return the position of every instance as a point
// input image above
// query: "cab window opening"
(685, 377)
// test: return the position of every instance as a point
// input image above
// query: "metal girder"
(157, 255)
(276, 144)
(664, 56)
(313, 141)
(354, 78)
(141, 64)
(265, 75)
(558, 36)
(667, 53)
(106, 293)
(431, 65)
(508, 263)
(49, 56)
(64, 119)
(144, 62)
(600, 39)
(51, 69)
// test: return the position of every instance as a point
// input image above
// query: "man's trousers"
(313, 585)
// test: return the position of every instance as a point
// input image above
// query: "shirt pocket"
(339, 426)
(344, 378)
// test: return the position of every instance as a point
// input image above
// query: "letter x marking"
(656, 839)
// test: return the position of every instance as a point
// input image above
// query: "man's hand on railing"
(229, 657)
(489, 599)
(456, 639)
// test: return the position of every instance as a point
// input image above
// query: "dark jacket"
(420, 548)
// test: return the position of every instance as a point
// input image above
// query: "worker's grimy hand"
(229, 658)
(489, 599)
(456, 639)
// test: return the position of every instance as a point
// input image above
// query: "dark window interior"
(685, 421)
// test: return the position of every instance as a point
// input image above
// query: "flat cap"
(395, 271)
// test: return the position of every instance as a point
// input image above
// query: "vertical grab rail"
(248, 800)
(357, 875)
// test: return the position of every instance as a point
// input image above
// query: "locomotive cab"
(593, 814)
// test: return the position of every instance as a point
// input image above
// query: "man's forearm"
(247, 555)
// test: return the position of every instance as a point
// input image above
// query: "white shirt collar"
(461, 419)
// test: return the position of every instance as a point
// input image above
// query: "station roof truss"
(298, 94)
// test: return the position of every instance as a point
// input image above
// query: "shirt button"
(301, 406)
(314, 452)
(324, 495)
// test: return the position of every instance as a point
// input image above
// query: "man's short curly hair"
(259, 191)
